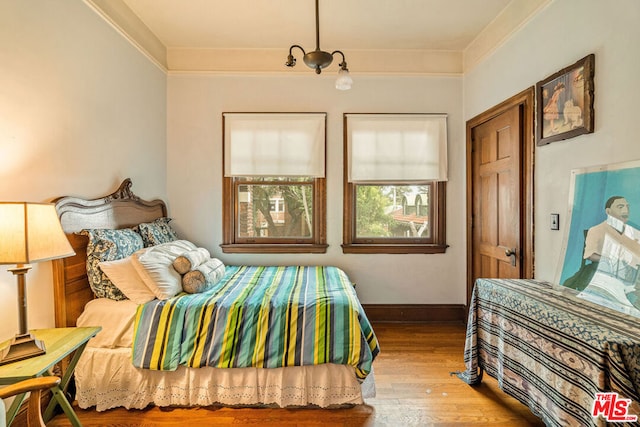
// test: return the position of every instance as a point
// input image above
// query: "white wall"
(195, 104)
(562, 33)
(80, 110)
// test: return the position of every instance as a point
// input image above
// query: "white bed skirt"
(105, 378)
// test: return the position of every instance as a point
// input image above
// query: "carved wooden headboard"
(120, 209)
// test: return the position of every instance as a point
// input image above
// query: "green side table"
(59, 343)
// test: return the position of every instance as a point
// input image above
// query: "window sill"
(264, 248)
(368, 248)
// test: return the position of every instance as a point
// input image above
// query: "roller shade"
(274, 144)
(396, 147)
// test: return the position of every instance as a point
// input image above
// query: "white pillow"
(123, 274)
(155, 267)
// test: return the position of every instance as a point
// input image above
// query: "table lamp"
(29, 233)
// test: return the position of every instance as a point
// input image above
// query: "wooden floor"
(414, 388)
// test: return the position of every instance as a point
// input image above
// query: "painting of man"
(615, 226)
(605, 240)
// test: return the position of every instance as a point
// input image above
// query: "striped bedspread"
(552, 350)
(259, 316)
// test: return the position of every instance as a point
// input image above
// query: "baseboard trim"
(413, 313)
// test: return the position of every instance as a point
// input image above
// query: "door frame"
(525, 100)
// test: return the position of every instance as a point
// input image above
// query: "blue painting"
(602, 244)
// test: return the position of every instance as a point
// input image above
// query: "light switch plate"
(555, 221)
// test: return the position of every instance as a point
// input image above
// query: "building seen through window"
(275, 209)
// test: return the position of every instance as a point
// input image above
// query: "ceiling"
(344, 24)
(207, 34)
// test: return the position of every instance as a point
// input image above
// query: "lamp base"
(22, 347)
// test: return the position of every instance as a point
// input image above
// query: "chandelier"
(319, 59)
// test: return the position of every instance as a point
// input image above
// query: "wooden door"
(496, 183)
(500, 192)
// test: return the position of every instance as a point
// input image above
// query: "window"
(274, 207)
(394, 183)
(274, 183)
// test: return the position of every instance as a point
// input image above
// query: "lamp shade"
(31, 232)
(344, 80)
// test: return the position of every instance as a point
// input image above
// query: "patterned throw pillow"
(108, 245)
(157, 232)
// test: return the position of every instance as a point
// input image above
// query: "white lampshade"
(31, 232)
(344, 80)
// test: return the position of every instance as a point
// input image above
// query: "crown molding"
(510, 20)
(117, 14)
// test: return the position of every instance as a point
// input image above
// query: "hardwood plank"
(414, 388)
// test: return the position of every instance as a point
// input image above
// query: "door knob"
(511, 253)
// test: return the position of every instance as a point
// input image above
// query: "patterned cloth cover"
(551, 350)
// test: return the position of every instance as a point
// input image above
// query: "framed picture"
(601, 245)
(565, 102)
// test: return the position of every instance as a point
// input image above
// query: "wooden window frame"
(436, 244)
(437, 210)
(232, 244)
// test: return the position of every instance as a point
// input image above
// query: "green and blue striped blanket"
(266, 317)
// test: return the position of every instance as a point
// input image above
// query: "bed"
(150, 351)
